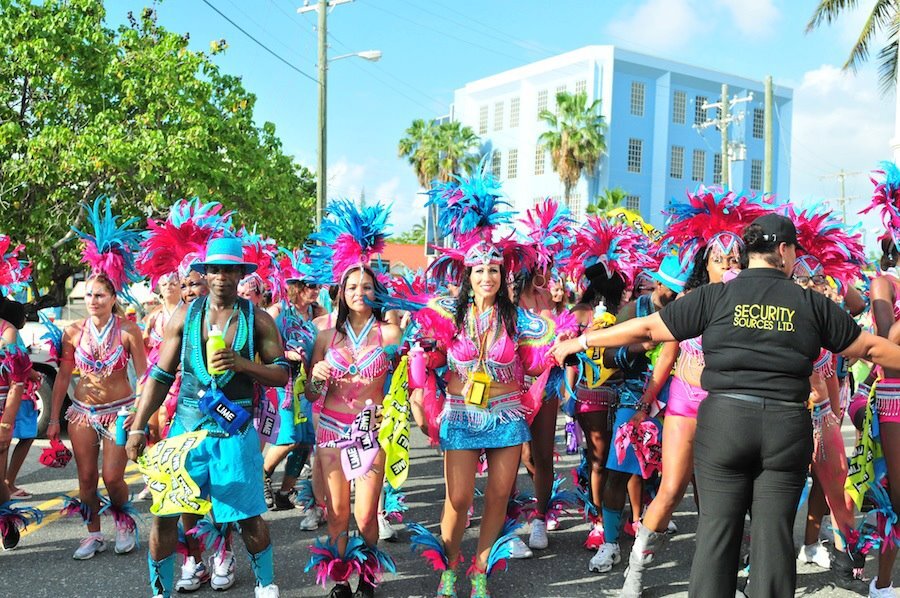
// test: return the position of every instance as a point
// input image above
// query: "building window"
(541, 102)
(576, 205)
(698, 165)
(512, 164)
(498, 116)
(496, 161)
(676, 162)
(717, 169)
(482, 120)
(561, 89)
(679, 107)
(756, 174)
(514, 113)
(635, 155)
(699, 110)
(539, 156)
(581, 86)
(537, 200)
(633, 203)
(759, 123)
(637, 98)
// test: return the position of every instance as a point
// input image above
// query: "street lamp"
(372, 55)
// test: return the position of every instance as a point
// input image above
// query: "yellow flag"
(861, 472)
(393, 436)
(173, 489)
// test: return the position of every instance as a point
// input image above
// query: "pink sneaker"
(552, 522)
(595, 537)
(631, 528)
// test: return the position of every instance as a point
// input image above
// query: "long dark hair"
(506, 309)
(602, 286)
(344, 309)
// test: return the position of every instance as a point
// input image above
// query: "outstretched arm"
(638, 330)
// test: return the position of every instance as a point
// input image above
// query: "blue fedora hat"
(224, 251)
(670, 273)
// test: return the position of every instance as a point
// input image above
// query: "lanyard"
(357, 340)
(227, 322)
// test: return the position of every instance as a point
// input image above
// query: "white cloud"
(840, 121)
(346, 179)
(757, 17)
(657, 25)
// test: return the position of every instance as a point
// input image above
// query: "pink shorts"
(593, 400)
(684, 398)
(887, 400)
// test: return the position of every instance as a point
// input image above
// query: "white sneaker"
(538, 538)
(193, 576)
(306, 472)
(386, 531)
(874, 592)
(518, 550)
(552, 522)
(607, 555)
(269, 591)
(222, 567)
(816, 554)
(144, 494)
(312, 519)
(671, 528)
(89, 547)
(126, 540)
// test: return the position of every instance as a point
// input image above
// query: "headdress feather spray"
(886, 199)
(110, 250)
(15, 273)
(837, 247)
(548, 227)
(618, 247)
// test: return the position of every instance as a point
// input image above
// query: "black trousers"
(748, 456)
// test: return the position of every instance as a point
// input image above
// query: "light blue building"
(653, 108)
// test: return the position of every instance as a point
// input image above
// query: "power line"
(266, 33)
(260, 44)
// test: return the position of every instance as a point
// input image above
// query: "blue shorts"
(229, 471)
(630, 463)
(26, 421)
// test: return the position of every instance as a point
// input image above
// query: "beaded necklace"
(101, 357)
(354, 342)
(198, 362)
(479, 329)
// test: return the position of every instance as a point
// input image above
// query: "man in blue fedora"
(216, 397)
(634, 405)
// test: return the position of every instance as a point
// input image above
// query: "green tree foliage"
(576, 139)
(883, 23)
(611, 198)
(414, 236)
(134, 114)
(439, 151)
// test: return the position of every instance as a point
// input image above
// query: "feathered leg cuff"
(376, 563)
(72, 507)
(432, 549)
(500, 551)
(12, 516)
(212, 537)
(328, 563)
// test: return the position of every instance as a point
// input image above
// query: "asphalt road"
(42, 567)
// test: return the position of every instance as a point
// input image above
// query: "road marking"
(52, 503)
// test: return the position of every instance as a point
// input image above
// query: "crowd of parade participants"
(722, 352)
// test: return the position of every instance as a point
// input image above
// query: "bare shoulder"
(391, 333)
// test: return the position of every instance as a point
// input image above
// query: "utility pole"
(768, 140)
(725, 105)
(322, 8)
(841, 176)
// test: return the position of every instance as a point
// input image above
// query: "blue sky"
(431, 47)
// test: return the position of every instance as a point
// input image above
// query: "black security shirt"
(761, 333)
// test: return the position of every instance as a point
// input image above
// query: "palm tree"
(884, 18)
(576, 138)
(418, 148)
(457, 147)
(609, 199)
(414, 236)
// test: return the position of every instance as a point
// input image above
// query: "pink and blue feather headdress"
(837, 247)
(469, 211)
(170, 244)
(618, 247)
(709, 217)
(347, 239)
(263, 251)
(886, 199)
(110, 250)
(549, 226)
(15, 273)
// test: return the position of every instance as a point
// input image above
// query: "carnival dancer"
(100, 348)
(490, 346)
(547, 228)
(705, 229)
(294, 316)
(608, 256)
(218, 404)
(885, 301)
(15, 376)
(758, 358)
(349, 367)
(25, 430)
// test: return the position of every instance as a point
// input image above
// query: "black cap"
(777, 229)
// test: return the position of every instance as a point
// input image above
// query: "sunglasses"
(817, 279)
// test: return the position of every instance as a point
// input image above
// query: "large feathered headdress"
(709, 217)
(469, 210)
(14, 272)
(263, 251)
(348, 238)
(185, 232)
(837, 247)
(886, 198)
(110, 250)
(548, 226)
(619, 248)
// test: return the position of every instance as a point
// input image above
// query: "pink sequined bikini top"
(370, 365)
(100, 351)
(501, 362)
